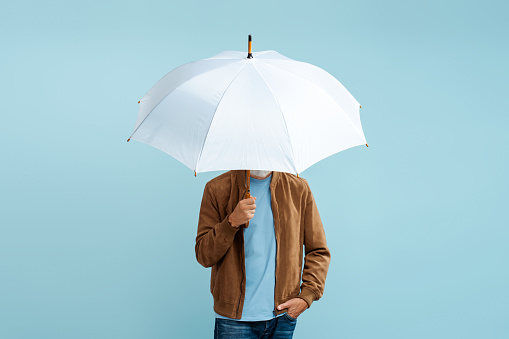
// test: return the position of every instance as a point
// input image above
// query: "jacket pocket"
(226, 285)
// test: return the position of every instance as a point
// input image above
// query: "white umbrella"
(260, 111)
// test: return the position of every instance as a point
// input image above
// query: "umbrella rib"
(194, 76)
(282, 115)
(311, 82)
(213, 115)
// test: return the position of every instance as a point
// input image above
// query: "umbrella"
(260, 111)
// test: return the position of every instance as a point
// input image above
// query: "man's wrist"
(229, 221)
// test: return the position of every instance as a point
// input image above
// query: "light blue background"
(97, 235)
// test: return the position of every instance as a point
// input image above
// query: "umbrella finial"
(249, 55)
(367, 145)
(128, 139)
(195, 173)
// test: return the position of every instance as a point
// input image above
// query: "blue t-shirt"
(260, 258)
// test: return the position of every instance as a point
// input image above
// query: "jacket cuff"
(228, 230)
(308, 296)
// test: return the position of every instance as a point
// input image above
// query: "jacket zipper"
(275, 271)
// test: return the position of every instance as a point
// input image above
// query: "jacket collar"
(241, 178)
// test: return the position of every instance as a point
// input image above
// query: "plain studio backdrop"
(97, 235)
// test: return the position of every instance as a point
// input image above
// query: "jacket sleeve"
(214, 236)
(317, 255)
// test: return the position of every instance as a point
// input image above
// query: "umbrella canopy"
(262, 111)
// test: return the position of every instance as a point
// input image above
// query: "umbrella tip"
(128, 139)
(367, 145)
(297, 175)
(194, 173)
(249, 54)
(360, 106)
(138, 102)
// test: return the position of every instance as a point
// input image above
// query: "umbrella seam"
(315, 85)
(319, 68)
(213, 115)
(282, 115)
(210, 70)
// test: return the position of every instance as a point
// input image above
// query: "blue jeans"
(277, 328)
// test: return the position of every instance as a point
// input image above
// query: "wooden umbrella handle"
(248, 194)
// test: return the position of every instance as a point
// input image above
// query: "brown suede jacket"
(297, 224)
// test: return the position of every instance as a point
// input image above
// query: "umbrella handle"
(248, 176)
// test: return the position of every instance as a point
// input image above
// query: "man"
(256, 269)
